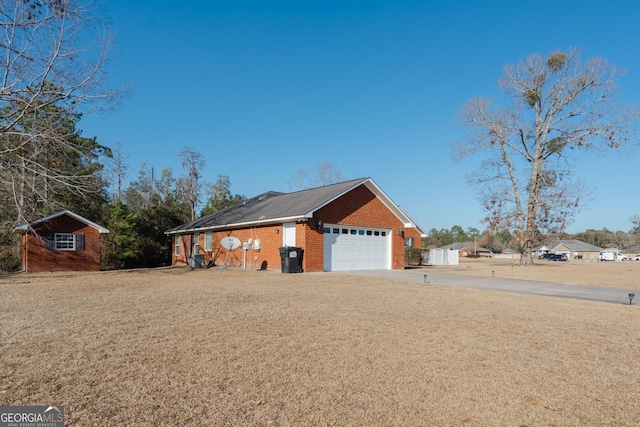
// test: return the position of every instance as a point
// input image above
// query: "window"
(208, 241)
(67, 242)
(369, 233)
(376, 233)
(327, 230)
(383, 233)
(345, 231)
(408, 242)
(196, 243)
(336, 231)
(361, 232)
(176, 249)
(354, 231)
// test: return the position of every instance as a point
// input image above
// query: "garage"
(356, 248)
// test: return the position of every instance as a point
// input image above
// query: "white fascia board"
(393, 207)
(326, 202)
(240, 225)
(382, 196)
(25, 227)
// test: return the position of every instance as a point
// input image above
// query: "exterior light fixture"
(631, 298)
(319, 224)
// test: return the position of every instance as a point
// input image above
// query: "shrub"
(412, 256)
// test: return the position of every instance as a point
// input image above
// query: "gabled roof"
(575, 245)
(275, 208)
(25, 227)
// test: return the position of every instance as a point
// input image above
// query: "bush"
(413, 256)
(9, 251)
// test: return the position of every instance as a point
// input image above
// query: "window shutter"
(80, 242)
(50, 241)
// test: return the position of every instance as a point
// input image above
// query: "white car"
(635, 258)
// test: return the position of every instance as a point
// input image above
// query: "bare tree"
(558, 104)
(190, 183)
(300, 180)
(117, 171)
(328, 173)
(52, 65)
(325, 173)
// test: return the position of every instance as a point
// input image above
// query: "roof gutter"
(241, 224)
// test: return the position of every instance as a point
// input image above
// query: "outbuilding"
(352, 225)
(62, 241)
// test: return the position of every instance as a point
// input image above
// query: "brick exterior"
(270, 238)
(359, 207)
(37, 258)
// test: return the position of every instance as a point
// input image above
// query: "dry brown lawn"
(625, 274)
(174, 347)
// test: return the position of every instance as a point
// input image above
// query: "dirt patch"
(180, 347)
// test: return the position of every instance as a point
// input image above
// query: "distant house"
(467, 249)
(575, 249)
(540, 250)
(351, 225)
(63, 241)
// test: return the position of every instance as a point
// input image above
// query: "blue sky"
(263, 88)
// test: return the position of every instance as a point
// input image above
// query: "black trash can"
(291, 259)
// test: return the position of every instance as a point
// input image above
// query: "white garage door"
(356, 248)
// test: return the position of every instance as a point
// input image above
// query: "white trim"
(276, 221)
(25, 227)
(400, 213)
(58, 239)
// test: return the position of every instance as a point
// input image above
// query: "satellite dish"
(230, 243)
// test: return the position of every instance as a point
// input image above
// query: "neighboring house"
(351, 225)
(467, 249)
(575, 249)
(62, 241)
(539, 251)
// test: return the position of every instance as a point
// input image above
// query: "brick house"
(467, 249)
(352, 225)
(63, 241)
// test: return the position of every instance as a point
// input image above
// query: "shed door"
(289, 234)
(356, 248)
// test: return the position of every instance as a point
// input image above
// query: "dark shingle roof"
(575, 245)
(271, 207)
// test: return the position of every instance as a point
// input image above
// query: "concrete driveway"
(560, 290)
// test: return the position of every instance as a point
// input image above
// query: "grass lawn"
(180, 347)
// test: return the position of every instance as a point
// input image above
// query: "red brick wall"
(361, 207)
(36, 257)
(417, 238)
(270, 240)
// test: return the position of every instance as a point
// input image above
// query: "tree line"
(497, 242)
